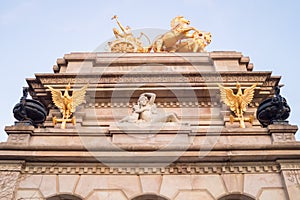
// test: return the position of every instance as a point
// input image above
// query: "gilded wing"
(57, 98)
(228, 97)
(78, 97)
(247, 96)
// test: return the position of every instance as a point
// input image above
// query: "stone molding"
(173, 169)
(181, 104)
(8, 165)
(289, 164)
(165, 77)
(159, 105)
(19, 129)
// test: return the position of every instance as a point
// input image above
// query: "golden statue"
(180, 38)
(196, 43)
(125, 42)
(126, 30)
(179, 30)
(238, 102)
(67, 104)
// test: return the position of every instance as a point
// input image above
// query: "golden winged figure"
(237, 102)
(66, 103)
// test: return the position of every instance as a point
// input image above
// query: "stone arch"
(236, 197)
(149, 197)
(64, 197)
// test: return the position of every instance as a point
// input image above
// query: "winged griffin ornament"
(66, 103)
(238, 102)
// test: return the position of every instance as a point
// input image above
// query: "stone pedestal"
(282, 132)
(19, 134)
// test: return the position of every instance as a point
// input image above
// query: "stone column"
(290, 171)
(9, 178)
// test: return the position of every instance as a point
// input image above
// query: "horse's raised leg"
(159, 44)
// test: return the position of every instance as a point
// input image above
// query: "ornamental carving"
(172, 169)
(294, 176)
(189, 78)
(283, 137)
(146, 111)
(8, 181)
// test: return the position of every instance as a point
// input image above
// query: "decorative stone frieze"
(173, 169)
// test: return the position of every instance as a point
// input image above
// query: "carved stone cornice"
(177, 169)
(203, 84)
(147, 77)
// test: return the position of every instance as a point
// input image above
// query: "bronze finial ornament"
(238, 102)
(67, 104)
(273, 110)
(29, 111)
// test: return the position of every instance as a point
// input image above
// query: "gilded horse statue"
(179, 30)
(195, 44)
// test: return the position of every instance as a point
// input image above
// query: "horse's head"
(207, 37)
(184, 20)
(179, 20)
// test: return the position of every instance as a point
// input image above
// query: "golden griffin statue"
(67, 104)
(180, 38)
(238, 102)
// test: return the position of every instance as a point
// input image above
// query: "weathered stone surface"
(209, 183)
(253, 183)
(151, 183)
(128, 184)
(177, 183)
(28, 194)
(107, 194)
(8, 182)
(274, 194)
(291, 176)
(193, 195)
(67, 183)
(233, 182)
(46, 184)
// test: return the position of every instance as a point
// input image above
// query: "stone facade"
(203, 156)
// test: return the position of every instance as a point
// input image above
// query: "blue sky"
(34, 33)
